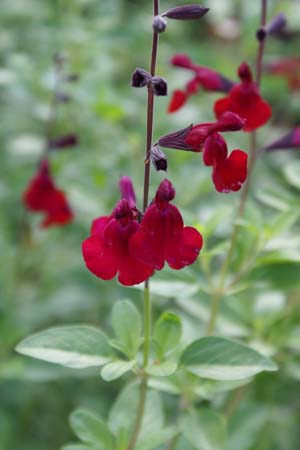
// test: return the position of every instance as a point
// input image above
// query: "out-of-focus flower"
(43, 196)
(288, 68)
(245, 100)
(204, 77)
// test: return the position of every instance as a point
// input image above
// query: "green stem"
(217, 295)
(147, 322)
(140, 415)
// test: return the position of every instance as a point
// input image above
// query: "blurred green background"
(43, 278)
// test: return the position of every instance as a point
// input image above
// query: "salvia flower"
(245, 100)
(204, 77)
(288, 68)
(192, 138)
(162, 236)
(229, 172)
(42, 196)
(106, 251)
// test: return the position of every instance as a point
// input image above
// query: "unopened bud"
(140, 78)
(160, 86)
(67, 140)
(277, 24)
(288, 141)
(176, 139)
(186, 12)
(158, 158)
(159, 24)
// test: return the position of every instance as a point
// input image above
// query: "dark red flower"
(229, 172)
(106, 252)
(163, 236)
(204, 77)
(244, 99)
(43, 196)
(198, 134)
(288, 68)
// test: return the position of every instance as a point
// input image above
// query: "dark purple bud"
(127, 191)
(186, 12)
(158, 158)
(67, 140)
(261, 34)
(140, 78)
(176, 139)
(159, 24)
(160, 86)
(288, 141)
(277, 24)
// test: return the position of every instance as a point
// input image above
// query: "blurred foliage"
(43, 279)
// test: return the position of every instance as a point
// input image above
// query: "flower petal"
(185, 250)
(178, 99)
(99, 258)
(231, 174)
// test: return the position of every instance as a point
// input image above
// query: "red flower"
(204, 77)
(43, 196)
(162, 235)
(288, 68)
(198, 134)
(229, 172)
(244, 99)
(106, 252)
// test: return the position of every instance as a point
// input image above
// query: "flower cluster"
(245, 100)
(229, 172)
(42, 196)
(204, 77)
(121, 244)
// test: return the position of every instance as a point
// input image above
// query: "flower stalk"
(217, 295)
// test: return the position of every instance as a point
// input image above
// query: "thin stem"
(147, 322)
(140, 415)
(217, 296)
(147, 302)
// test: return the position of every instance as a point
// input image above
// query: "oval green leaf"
(75, 346)
(116, 369)
(224, 359)
(91, 429)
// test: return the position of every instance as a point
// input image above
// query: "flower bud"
(159, 24)
(288, 141)
(67, 140)
(158, 158)
(140, 78)
(160, 86)
(127, 191)
(277, 24)
(186, 12)
(176, 139)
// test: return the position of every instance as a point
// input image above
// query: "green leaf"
(116, 369)
(91, 429)
(245, 425)
(127, 325)
(122, 418)
(167, 332)
(224, 359)
(205, 430)
(163, 369)
(75, 447)
(75, 346)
